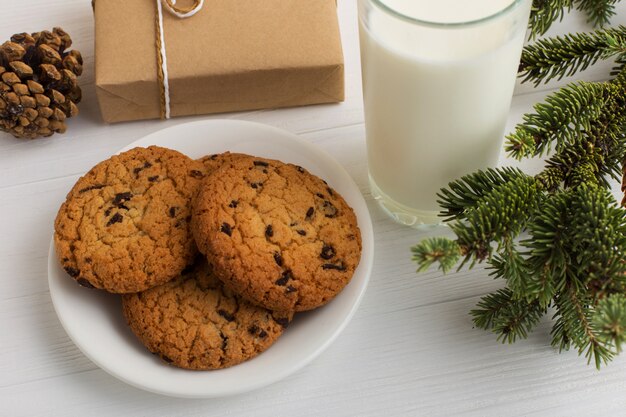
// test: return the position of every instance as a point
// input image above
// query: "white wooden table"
(410, 349)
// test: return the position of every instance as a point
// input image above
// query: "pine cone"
(38, 83)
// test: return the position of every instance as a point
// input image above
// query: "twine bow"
(164, 85)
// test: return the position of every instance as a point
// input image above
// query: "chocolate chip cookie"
(276, 234)
(193, 322)
(125, 226)
(214, 161)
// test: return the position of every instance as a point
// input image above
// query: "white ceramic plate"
(94, 321)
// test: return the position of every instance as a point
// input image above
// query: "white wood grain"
(410, 349)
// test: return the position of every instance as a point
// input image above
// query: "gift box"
(231, 55)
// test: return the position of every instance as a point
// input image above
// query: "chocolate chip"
(263, 334)
(330, 191)
(72, 272)
(300, 169)
(116, 218)
(65, 259)
(278, 258)
(226, 315)
(139, 169)
(320, 195)
(301, 232)
(256, 185)
(269, 231)
(283, 321)
(226, 229)
(196, 174)
(284, 278)
(93, 187)
(172, 212)
(292, 224)
(107, 212)
(309, 213)
(340, 267)
(88, 260)
(289, 290)
(329, 210)
(153, 179)
(120, 198)
(260, 163)
(166, 359)
(328, 252)
(84, 283)
(213, 157)
(253, 329)
(233, 204)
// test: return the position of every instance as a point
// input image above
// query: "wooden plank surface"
(410, 349)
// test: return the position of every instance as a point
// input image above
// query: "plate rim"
(364, 222)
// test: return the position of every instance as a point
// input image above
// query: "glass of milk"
(438, 78)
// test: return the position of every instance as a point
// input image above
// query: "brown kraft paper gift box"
(232, 55)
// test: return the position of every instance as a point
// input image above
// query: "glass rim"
(379, 3)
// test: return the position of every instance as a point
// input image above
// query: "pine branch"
(563, 56)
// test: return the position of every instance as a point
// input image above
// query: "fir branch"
(560, 119)
(508, 317)
(500, 214)
(599, 12)
(580, 120)
(610, 321)
(511, 266)
(563, 56)
(544, 13)
(598, 238)
(444, 251)
(464, 193)
(574, 258)
(548, 257)
(489, 308)
(575, 326)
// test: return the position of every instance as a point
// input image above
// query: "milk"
(436, 99)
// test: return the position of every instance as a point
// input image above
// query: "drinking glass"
(438, 78)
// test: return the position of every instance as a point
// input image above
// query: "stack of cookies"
(213, 256)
